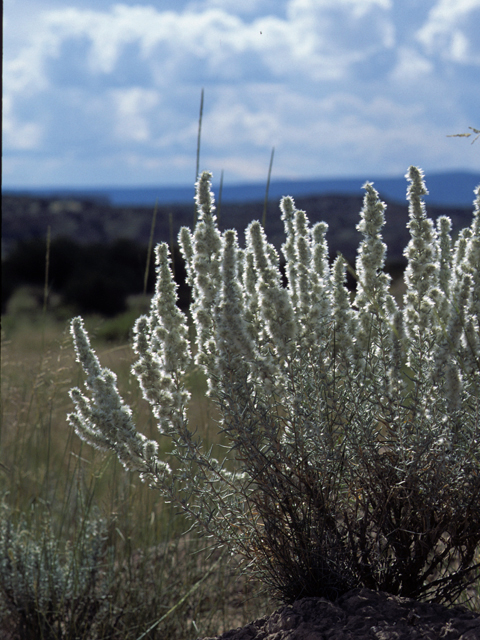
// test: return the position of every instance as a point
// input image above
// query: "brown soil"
(362, 614)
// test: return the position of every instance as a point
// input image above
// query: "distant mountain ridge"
(447, 189)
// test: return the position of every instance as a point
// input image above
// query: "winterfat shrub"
(51, 591)
(353, 422)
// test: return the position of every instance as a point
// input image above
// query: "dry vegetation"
(153, 571)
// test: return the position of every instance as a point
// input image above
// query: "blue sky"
(99, 93)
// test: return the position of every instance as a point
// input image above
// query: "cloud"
(411, 66)
(133, 55)
(326, 37)
(452, 31)
(134, 107)
(334, 85)
(21, 135)
(317, 38)
(244, 8)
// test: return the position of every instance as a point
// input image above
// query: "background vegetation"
(98, 252)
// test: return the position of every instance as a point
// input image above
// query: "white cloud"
(109, 51)
(334, 34)
(134, 107)
(341, 133)
(332, 84)
(411, 67)
(245, 7)
(452, 31)
(21, 135)
(320, 39)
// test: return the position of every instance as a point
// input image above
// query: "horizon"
(237, 184)
(445, 188)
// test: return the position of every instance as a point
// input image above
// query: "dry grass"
(45, 469)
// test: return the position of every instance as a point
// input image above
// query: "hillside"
(91, 221)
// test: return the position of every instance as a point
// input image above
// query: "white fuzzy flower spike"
(351, 436)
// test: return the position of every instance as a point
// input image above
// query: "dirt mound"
(361, 614)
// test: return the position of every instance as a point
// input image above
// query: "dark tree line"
(95, 278)
(98, 278)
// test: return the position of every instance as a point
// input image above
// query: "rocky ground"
(362, 614)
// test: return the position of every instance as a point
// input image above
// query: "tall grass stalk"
(220, 193)
(47, 269)
(267, 188)
(150, 247)
(199, 139)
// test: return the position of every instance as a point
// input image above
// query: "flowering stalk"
(105, 421)
(354, 455)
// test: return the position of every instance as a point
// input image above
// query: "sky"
(100, 93)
